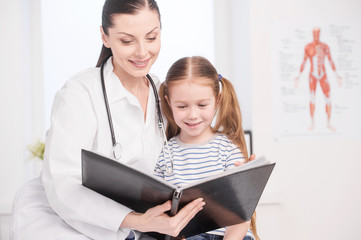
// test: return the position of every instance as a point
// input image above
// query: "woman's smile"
(140, 64)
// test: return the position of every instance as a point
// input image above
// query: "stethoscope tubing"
(117, 149)
(106, 101)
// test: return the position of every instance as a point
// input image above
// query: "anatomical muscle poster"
(316, 80)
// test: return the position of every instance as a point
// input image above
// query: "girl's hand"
(156, 220)
(239, 163)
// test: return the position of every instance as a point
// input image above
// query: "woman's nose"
(141, 50)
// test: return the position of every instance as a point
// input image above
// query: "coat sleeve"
(73, 127)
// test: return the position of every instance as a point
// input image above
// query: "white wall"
(15, 97)
(11, 101)
(317, 182)
(232, 36)
(186, 31)
(71, 42)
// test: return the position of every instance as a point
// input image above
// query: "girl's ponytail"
(229, 118)
(229, 122)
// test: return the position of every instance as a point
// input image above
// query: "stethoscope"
(117, 147)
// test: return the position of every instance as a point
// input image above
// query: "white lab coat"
(79, 120)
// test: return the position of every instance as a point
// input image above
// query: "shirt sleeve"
(73, 127)
(234, 154)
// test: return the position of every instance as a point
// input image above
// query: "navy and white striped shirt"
(194, 162)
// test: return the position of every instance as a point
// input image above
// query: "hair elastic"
(220, 82)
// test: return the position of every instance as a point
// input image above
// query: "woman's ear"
(104, 37)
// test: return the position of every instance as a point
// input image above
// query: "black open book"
(231, 197)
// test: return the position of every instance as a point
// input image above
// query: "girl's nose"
(193, 113)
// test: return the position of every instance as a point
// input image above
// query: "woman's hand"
(239, 163)
(156, 220)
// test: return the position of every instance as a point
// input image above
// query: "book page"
(259, 161)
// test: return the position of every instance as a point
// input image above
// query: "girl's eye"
(181, 106)
(202, 105)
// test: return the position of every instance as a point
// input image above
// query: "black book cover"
(231, 197)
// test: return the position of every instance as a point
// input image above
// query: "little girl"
(191, 95)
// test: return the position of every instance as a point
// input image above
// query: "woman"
(130, 32)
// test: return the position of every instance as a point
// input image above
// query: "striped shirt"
(194, 162)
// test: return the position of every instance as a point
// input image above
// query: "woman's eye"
(126, 41)
(151, 38)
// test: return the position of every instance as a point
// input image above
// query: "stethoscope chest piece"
(169, 169)
(117, 150)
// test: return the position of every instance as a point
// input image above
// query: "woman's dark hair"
(113, 7)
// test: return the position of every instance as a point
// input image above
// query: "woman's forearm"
(157, 220)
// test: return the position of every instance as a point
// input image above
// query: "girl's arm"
(237, 231)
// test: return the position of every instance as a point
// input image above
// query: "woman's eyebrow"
(152, 30)
(130, 35)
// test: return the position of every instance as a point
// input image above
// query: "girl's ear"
(104, 37)
(218, 99)
(166, 98)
